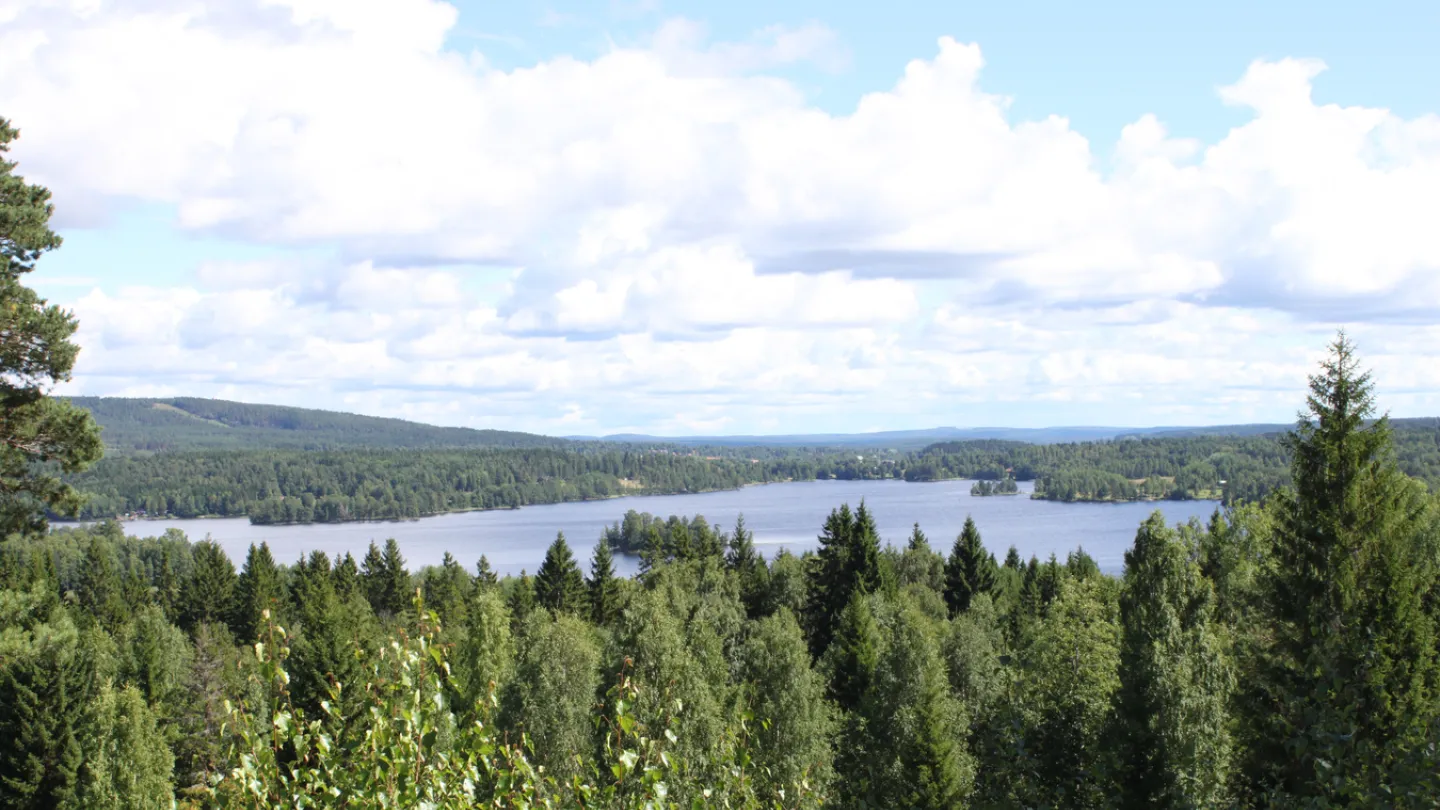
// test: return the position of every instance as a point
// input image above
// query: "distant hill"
(904, 439)
(191, 423)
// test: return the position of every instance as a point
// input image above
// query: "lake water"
(781, 515)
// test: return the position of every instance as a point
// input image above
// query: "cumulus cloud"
(689, 228)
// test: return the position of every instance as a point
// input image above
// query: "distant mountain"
(191, 423)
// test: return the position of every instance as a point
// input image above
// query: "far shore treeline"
(371, 469)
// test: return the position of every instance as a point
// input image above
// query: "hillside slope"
(192, 423)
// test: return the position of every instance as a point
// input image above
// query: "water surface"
(781, 515)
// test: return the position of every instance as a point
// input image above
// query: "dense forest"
(193, 423)
(297, 486)
(1209, 675)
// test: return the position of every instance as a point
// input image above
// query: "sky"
(686, 218)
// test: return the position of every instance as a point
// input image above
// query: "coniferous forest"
(1284, 655)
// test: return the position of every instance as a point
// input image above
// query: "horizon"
(673, 220)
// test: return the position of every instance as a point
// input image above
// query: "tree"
(38, 433)
(1175, 683)
(46, 684)
(553, 689)
(347, 577)
(167, 585)
(795, 725)
(522, 600)
(1345, 696)
(99, 589)
(484, 575)
(395, 590)
(372, 577)
(559, 585)
(209, 592)
(257, 590)
(970, 571)
(602, 585)
(849, 559)
(127, 763)
(749, 566)
(447, 589)
(920, 565)
(485, 658)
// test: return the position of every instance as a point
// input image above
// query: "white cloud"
(693, 230)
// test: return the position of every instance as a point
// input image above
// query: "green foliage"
(40, 437)
(47, 681)
(208, 595)
(848, 560)
(970, 571)
(257, 590)
(559, 585)
(1348, 677)
(604, 590)
(550, 698)
(1175, 681)
(793, 744)
(127, 761)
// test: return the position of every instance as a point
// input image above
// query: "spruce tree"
(848, 560)
(970, 571)
(41, 437)
(372, 577)
(1175, 683)
(521, 601)
(485, 657)
(99, 589)
(396, 591)
(1347, 688)
(749, 567)
(209, 593)
(346, 575)
(604, 590)
(559, 585)
(257, 590)
(485, 576)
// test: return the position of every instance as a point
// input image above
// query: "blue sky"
(688, 218)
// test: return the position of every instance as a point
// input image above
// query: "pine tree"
(970, 571)
(40, 437)
(559, 585)
(604, 590)
(1346, 693)
(1175, 684)
(920, 565)
(257, 590)
(209, 594)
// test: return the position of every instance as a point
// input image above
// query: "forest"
(137, 673)
(290, 485)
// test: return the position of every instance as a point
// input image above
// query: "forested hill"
(192, 423)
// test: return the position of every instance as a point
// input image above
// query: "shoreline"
(1033, 497)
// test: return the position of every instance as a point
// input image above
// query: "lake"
(786, 515)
